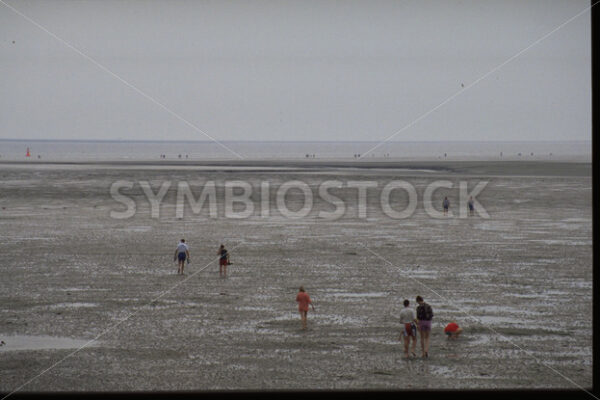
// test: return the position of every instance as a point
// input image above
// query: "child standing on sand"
(303, 301)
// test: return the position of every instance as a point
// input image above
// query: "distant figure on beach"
(446, 204)
(303, 300)
(452, 330)
(182, 254)
(409, 329)
(424, 317)
(223, 260)
(471, 204)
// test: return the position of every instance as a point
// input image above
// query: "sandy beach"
(519, 283)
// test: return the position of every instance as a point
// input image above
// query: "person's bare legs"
(220, 269)
(422, 334)
(414, 346)
(225, 271)
(406, 342)
(303, 317)
(180, 267)
(426, 342)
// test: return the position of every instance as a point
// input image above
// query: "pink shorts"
(424, 325)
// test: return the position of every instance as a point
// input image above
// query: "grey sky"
(298, 70)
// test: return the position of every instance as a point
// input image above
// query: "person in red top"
(452, 330)
(303, 301)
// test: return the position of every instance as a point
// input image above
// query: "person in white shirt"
(182, 253)
(407, 319)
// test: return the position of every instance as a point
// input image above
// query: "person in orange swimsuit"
(303, 300)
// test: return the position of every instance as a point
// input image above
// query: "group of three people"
(410, 325)
(422, 323)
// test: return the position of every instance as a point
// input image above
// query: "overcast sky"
(295, 70)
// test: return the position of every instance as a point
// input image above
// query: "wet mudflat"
(519, 283)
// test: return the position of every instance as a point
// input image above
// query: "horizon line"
(287, 141)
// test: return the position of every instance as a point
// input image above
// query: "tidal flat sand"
(519, 282)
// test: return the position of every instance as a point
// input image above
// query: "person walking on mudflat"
(409, 329)
(424, 317)
(303, 300)
(446, 204)
(182, 254)
(223, 261)
(471, 205)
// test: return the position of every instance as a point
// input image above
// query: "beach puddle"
(25, 342)
(72, 305)
(479, 340)
(563, 242)
(364, 294)
(252, 308)
(336, 319)
(580, 284)
(136, 229)
(497, 226)
(443, 371)
(495, 320)
(511, 311)
(586, 220)
(74, 289)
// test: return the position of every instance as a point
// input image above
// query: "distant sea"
(59, 150)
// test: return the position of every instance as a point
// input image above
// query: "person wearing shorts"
(303, 300)
(409, 329)
(223, 261)
(424, 316)
(182, 254)
(452, 330)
